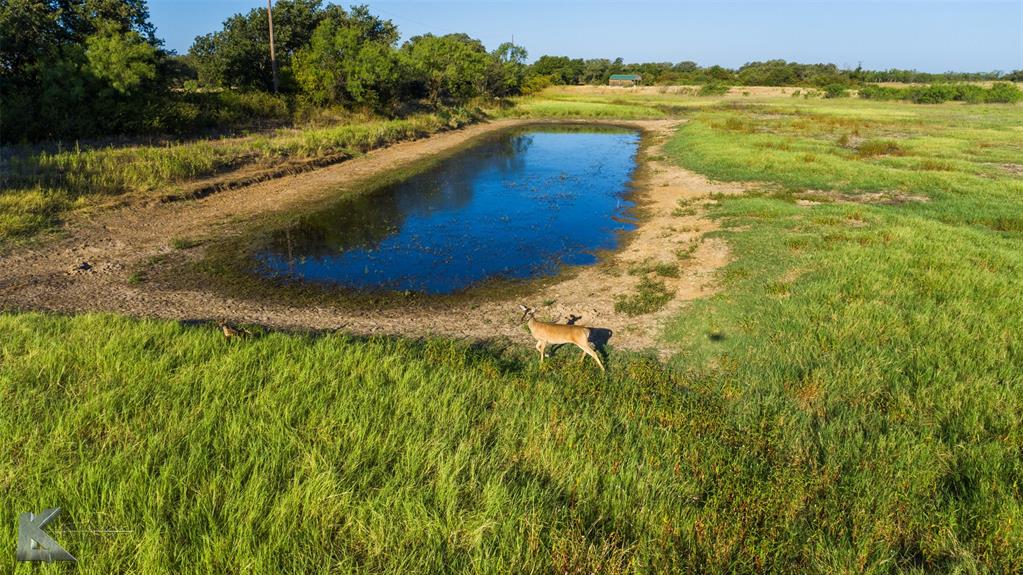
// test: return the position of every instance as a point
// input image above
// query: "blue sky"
(932, 36)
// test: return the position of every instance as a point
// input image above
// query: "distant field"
(850, 401)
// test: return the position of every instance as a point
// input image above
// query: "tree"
(596, 71)
(73, 67)
(561, 69)
(509, 69)
(448, 68)
(123, 59)
(84, 18)
(239, 56)
(350, 60)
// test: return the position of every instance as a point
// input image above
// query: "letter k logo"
(34, 544)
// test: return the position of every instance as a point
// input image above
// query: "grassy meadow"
(851, 400)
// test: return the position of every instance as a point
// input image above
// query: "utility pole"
(273, 56)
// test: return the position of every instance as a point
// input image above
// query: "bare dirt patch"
(887, 197)
(1014, 169)
(114, 244)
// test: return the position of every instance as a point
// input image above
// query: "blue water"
(518, 205)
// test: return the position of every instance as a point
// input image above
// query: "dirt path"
(116, 242)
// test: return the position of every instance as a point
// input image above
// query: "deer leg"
(589, 350)
(540, 345)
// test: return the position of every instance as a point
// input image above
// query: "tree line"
(330, 56)
(81, 68)
(78, 68)
(564, 70)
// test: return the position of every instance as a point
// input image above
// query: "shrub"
(872, 92)
(1003, 93)
(969, 93)
(536, 84)
(1000, 92)
(934, 94)
(835, 91)
(714, 89)
(225, 110)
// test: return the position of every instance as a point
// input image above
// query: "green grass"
(303, 453)
(184, 243)
(650, 296)
(851, 399)
(879, 148)
(662, 269)
(886, 337)
(550, 108)
(795, 145)
(561, 104)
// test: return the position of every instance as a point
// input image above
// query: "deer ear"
(523, 308)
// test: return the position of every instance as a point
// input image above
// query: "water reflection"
(518, 205)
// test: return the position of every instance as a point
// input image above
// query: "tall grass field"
(850, 401)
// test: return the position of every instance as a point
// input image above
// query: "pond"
(520, 204)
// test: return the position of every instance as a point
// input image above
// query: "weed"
(685, 208)
(666, 270)
(878, 148)
(184, 243)
(651, 295)
(663, 269)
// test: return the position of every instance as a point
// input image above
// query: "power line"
(430, 28)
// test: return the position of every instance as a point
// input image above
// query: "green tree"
(448, 68)
(561, 69)
(350, 60)
(239, 54)
(83, 18)
(68, 67)
(509, 69)
(596, 71)
(123, 59)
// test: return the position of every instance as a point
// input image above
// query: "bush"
(1000, 92)
(935, 94)
(872, 92)
(714, 89)
(536, 84)
(1003, 93)
(183, 113)
(835, 91)
(970, 93)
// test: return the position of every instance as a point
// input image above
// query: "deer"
(556, 333)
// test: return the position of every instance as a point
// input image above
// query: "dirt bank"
(116, 243)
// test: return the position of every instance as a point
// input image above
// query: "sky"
(926, 35)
